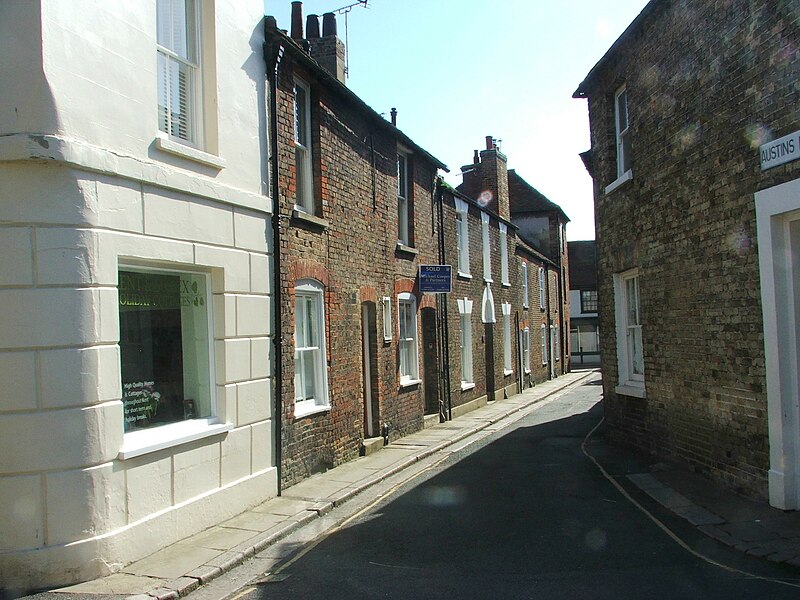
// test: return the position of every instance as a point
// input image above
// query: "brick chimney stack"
(328, 50)
(486, 179)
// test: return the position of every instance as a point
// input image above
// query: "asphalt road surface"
(521, 514)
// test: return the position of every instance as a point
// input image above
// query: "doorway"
(369, 369)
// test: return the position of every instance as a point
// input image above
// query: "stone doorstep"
(371, 445)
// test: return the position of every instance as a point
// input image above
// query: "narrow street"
(522, 513)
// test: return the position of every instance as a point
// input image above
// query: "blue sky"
(459, 70)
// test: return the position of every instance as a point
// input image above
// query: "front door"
(369, 367)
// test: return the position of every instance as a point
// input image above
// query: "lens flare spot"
(688, 136)
(445, 496)
(596, 540)
(485, 198)
(757, 134)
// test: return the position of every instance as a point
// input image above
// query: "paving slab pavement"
(175, 571)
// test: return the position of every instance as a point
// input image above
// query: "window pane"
(310, 374)
(164, 348)
(402, 178)
(300, 124)
(622, 111)
(632, 301)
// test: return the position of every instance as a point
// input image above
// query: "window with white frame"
(179, 72)
(630, 357)
(403, 205)
(387, 318)
(462, 236)
(588, 301)
(507, 365)
(542, 289)
(310, 365)
(524, 284)
(556, 344)
(465, 314)
(304, 195)
(504, 278)
(622, 130)
(526, 349)
(165, 347)
(487, 248)
(407, 325)
(544, 344)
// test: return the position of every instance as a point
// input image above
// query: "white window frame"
(487, 247)
(310, 290)
(191, 64)
(508, 366)
(556, 344)
(462, 237)
(403, 205)
(524, 284)
(465, 319)
(504, 275)
(409, 330)
(526, 349)
(145, 441)
(304, 174)
(622, 139)
(628, 331)
(542, 289)
(544, 343)
(386, 302)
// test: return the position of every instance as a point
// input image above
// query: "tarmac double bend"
(751, 527)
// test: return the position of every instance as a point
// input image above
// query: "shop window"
(165, 347)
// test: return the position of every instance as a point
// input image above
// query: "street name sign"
(780, 151)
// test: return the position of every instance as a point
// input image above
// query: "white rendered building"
(135, 284)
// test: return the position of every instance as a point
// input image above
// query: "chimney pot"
(393, 112)
(476, 158)
(328, 24)
(489, 143)
(312, 27)
(297, 20)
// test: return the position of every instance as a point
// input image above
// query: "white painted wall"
(85, 187)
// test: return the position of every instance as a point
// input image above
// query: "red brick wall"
(352, 253)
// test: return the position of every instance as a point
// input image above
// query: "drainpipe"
(551, 362)
(273, 52)
(445, 397)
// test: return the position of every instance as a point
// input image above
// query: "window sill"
(401, 247)
(302, 217)
(528, 371)
(631, 388)
(488, 280)
(506, 284)
(165, 144)
(507, 372)
(137, 443)
(461, 275)
(466, 386)
(307, 411)
(625, 177)
(407, 383)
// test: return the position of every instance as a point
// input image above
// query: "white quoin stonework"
(89, 186)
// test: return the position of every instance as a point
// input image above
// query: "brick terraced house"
(354, 198)
(694, 154)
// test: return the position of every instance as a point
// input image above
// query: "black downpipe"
(551, 367)
(445, 399)
(273, 52)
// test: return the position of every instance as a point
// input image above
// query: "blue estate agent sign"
(781, 151)
(435, 279)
